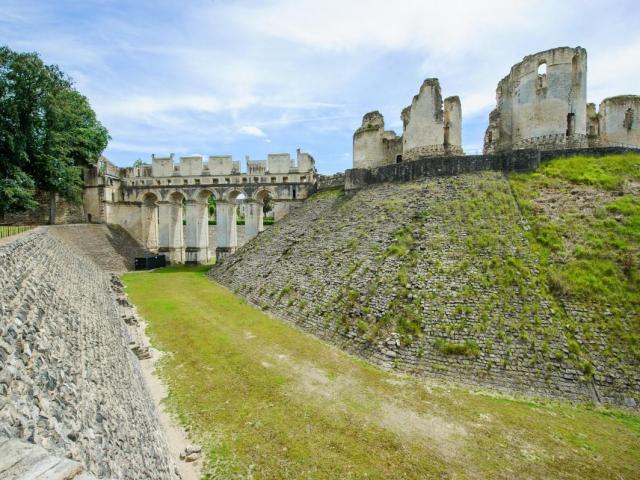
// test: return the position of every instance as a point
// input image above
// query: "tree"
(48, 133)
(212, 206)
(267, 205)
(138, 163)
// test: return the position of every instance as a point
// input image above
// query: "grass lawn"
(268, 401)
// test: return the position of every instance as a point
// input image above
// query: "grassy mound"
(584, 214)
(528, 282)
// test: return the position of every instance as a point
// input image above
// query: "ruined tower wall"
(371, 142)
(619, 120)
(541, 103)
(423, 119)
(452, 121)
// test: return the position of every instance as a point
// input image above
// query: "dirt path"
(176, 435)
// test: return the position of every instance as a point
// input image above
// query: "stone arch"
(232, 193)
(263, 192)
(254, 217)
(176, 196)
(196, 231)
(205, 193)
(226, 222)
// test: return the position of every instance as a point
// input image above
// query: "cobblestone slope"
(431, 277)
(69, 381)
(109, 246)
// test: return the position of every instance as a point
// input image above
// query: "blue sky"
(257, 77)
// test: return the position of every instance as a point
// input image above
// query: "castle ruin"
(542, 104)
(431, 127)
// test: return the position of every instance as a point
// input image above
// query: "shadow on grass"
(204, 268)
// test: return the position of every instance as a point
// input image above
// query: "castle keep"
(542, 104)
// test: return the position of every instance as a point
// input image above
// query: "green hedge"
(8, 230)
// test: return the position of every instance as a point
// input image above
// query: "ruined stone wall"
(126, 214)
(423, 119)
(541, 103)
(68, 379)
(327, 182)
(431, 127)
(518, 161)
(351, 268)
(452, 122)
(619, 120)
(514, 161)
(425, 122)
(372, 145)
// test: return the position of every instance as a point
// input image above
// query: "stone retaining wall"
(69, 381)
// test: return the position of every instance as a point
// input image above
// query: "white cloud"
(439, 27)
(614, 71)
(253, 131)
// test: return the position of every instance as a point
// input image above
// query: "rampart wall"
(514, 161)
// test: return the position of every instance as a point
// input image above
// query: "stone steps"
(110, 247)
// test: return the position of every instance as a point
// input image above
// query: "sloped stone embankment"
(433, 277)
(69, 381)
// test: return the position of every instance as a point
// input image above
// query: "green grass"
(585, 226)
(269, 402)
(469, 348)
(608, 172)
(9, 230)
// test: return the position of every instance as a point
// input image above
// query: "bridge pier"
(226, 230)
(253, 218)
(197, 232)
(170, 230)
(149, 222)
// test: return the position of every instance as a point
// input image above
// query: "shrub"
(468, 349)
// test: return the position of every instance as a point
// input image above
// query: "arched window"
(542, 68)
(542, 76)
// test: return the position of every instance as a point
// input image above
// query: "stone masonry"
(364, 269)
(542, 104)
(431, 127)
(69, 381)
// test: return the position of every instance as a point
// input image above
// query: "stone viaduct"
(152, 202)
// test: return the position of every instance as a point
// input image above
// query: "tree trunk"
(52, 208)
